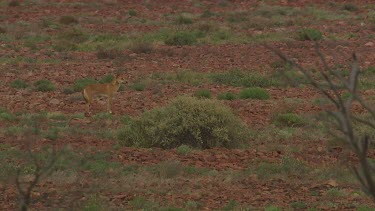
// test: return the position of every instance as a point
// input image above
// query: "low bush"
(44, 86)
(67, 20)
(80, 84)
(310, 34)
(227, 96)
(203, 93)
(184, 150)
(289, 120)
(73, 35)
(2, 30)
(138, 86)
(106, 79)
(182, 38)
(132, 12)
(19, 84)
(108, 53)
(14, 3)
(7, 116)
(199, 123)
(241, 78)
(254, 93)
(141, 47)
(350, 7)
(183, 20)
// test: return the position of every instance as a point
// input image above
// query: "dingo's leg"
(88, 99)
(109, 104)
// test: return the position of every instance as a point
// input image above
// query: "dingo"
(107, 89)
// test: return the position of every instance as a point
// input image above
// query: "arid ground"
(163, 49)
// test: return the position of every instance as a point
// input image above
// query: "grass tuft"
(289, 120)
(67, 20)
(19, 84)
(227, 96)
(182, 38)
(254, 93)
(203, 93)
(44, 86)
(310, 34)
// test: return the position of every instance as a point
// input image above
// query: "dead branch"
(343, 115)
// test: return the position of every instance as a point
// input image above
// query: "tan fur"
(108, 89)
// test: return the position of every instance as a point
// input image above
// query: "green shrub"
(73, 35)
(203, 93)
(184, 150)
(289, 120)
(237, 17)
(254, 93)
(132, 12)
(19, 84)
(93, 203)
(138, 86)
(167, 169)
(64, 45)
(106, 79)
(310, 34)
(227, 96)
(7, 116)
(80, 84)
(14, 3)
(273, 208)
(369, 70)
(183, 20)
(68, 20)
(200, 123)
(207, 14)
(240, 78)
(350, 7)
(142, 47)
(182, 38)
(108, 53)
(44, 86)
(298, 205)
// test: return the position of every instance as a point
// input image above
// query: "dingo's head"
(118, 79)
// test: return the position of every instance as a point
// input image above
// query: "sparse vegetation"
(154, 151)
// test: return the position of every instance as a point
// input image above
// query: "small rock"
(369, 44)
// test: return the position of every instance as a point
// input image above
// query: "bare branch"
(343, 116)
